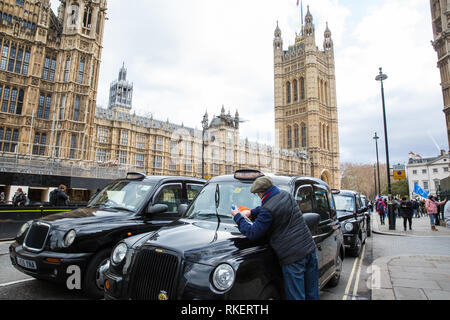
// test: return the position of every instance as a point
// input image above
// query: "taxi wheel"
(356, 252)
(93, 283)
(337, 276)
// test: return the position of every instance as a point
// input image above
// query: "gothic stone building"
(306, 115)
(49, 70)
(440, 13)
(160, 147)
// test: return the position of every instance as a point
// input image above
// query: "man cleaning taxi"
(280, 218)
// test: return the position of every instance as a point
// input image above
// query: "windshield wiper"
(120, 208)
(213, 215)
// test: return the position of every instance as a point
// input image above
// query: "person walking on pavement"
(431, 206)
(281, 219)
(381, 209)
(406, 211)
(447, 214)
(415, 208)
(59, 198)
(386, 210)
(422, 208)
(19, 199)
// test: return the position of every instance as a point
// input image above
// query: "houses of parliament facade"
(51, 126)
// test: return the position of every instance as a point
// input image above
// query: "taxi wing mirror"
(182, 209)
(157, 209)
(312, 220)
(362, 210)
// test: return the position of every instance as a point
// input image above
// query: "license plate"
(27, 264)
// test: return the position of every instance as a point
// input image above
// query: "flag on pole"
(300, 3)
(419, 191)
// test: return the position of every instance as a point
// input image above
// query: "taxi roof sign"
(248, 174)
(135, 176)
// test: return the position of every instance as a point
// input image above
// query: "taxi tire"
(334, 281)
(356, 252)
(89, 284)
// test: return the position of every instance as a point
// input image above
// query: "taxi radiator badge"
(163, 296)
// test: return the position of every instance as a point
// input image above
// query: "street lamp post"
(375, 179)
(378, 163)
(381, 77)
(205, 127)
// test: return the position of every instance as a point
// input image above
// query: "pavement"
(411, 276)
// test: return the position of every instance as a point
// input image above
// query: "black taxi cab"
(204, 256)
(355, 220)
(47, 247)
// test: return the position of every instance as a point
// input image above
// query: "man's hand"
(234, 210)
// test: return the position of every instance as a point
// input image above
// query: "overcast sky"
(188, 56)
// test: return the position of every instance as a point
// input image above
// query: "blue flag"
(418, 190)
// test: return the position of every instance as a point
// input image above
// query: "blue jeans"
(301, 279)
(433, 219)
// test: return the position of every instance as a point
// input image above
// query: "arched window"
(288, 92)
(289, 137)
(297, 136)
(304, 138)
(73, 16)
(99, 20)
(318, 89)
(322, 92)
(324, 137)
(328, 138)
(302, 89)
(295, 84)
(87, 19)
(327, 99)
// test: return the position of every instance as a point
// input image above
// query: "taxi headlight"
(69, 238)
(119, 253)
(23, 229)
(223, 277)
(348, 227)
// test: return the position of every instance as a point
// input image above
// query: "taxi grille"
(36, 237)
(155, 273)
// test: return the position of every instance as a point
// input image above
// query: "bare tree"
(361, 178)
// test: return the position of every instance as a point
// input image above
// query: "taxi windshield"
(123, 195)
(231, 193)
(344, 204)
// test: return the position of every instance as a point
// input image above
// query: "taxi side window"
(171, 196)
(192, 191)
(322, 205)
(358, 203)
(304, 199)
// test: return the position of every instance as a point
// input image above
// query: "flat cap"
(261, 185)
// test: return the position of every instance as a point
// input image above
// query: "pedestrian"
(381, 209)
(422, 208)
(19, 198)
(280, 218)
(447, 214)
(386, 209)
(406, 212)
(2, 198)
(59, 198)
(431, 206)
(396, 207)
(415, 208)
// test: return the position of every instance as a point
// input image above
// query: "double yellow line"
(358, 262)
